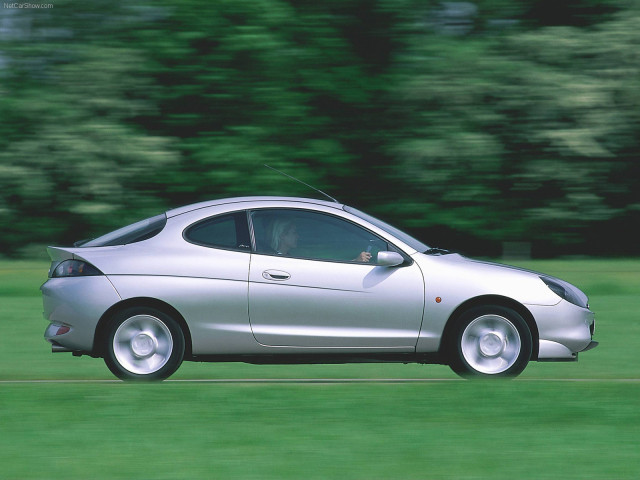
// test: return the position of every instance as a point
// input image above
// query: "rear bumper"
(76, 304)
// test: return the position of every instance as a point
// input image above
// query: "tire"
(490, 341)
(143, 344)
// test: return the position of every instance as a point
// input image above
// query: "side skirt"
(313, 359)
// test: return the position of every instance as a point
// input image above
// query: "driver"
(283, 237)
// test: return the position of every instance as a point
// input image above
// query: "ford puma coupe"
(294, 280)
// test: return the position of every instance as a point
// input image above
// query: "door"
(314, 282)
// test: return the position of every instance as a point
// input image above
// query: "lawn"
(573, 421)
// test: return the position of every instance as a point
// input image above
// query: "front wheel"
(143, 344)
(490, 341)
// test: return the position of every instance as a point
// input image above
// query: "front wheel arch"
(102, 330)
(487, 300)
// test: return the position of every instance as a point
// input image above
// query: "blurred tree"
(243, 83)
(135, 107)
(524, 136)
(73, 163)
(520, 126)
(576, 13)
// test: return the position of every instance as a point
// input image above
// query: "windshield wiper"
(436, 251)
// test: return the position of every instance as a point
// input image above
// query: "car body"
(296, 280)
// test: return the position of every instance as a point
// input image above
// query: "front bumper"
(564, 330)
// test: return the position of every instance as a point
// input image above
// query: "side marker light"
(62, 330)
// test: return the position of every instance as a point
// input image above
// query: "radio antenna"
(305, 184)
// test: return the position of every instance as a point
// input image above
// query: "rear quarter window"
(228, 231)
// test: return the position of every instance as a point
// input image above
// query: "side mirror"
(389, 259)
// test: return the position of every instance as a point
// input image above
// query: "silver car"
(294, 280)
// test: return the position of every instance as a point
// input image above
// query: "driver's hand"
(364, 257)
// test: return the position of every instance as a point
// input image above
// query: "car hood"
(568, 286)
(477, 277)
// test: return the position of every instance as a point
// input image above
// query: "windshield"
(399, 234)
(135, 232)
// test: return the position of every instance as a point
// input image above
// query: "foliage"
(73, 162)
(522, 126)
(527, 134)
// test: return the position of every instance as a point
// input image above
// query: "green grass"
(538, 426)
(442, 430)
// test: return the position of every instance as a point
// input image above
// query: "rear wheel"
(143, 344)
(490, 341)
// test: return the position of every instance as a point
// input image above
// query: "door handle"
(277, 275)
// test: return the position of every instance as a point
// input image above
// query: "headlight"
(564, 293)
(75, 268)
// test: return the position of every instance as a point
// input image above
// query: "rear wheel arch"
(103, 323)
(487, 300)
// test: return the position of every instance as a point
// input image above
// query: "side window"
(228, 231)
(312, 235)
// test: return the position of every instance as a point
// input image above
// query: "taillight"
(75, 268)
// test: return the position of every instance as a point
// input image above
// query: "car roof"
(251, 202)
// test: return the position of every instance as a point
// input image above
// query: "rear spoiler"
(60, 254)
